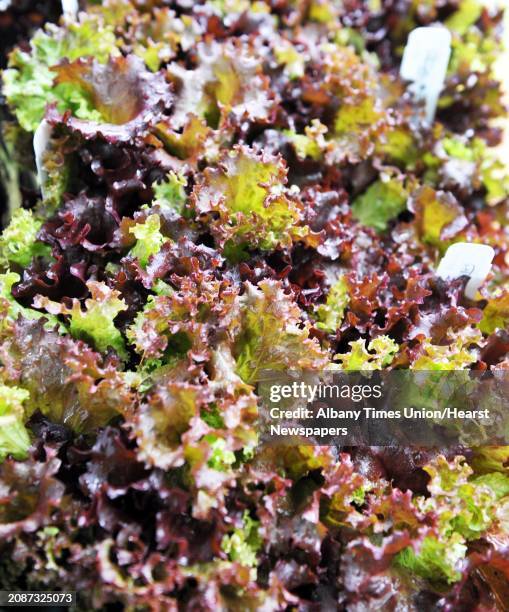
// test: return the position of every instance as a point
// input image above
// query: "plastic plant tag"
(41, 138)
(70, 8)
(467, 259)
(424, 63)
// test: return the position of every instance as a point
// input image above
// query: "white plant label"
(41, 138)
(70, 8)
(424, 63)
(467, 259)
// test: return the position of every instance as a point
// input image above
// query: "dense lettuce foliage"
(229, 187)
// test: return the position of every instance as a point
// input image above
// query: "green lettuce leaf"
(496, 312)
(171, 194)
(18, 242)
(247, 203)
(29, 81)
(149, 239)
(330, 315)
(272, 336)
(465, 507)
(95, 324)
(437, 561)
(435, 213)
(457, 355)
(14, 438)
(381, 351)
(464, 18)
(244, 543)
(383, 201)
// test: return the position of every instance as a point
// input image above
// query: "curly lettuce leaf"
(330, 315)
(288, 56)
(14, 438)
(465, 17)
(12, 309)
(481, 164)
(244, 543)
(457, 355)
(149, 239)
(437, 561)
(170, 194)
(246, 203)
(126, 98)
(383, 201)
(379, 354)
(438, 216)
(18, 241)
(228, 82)
(95, 324)
(68, 382)
(465, 507)
(496, 312)
(272, 336)
(190, 143)
(29, 81)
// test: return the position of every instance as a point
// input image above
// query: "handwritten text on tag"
(467, 259)
(425, 62)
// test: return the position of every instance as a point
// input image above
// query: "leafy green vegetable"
(29, 81)
(253, 208)
(244, 543)
(305, 146)
(234, 187)
(272, 336)
(330, 315)
(462, 507)
(496, 312)
(96, 323)
(221, 458)
(435, 213)
(437, 561)
(459, 354)
(465, 508)
(464, 18)
(18, 242)
(496, 481)
(149, 239)
(384, 200)
(14, 438)
(293, 61)
(171, 193)
(380, 353)
(14, 309)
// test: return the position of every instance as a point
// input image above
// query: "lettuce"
(465, 507)
(383, 201)
(496, 312)
(95, 324)
(245, 202)
(330, 315)
(170, 193)
(29, 81)
(18, 242)
(235, 187)
(436, 561)
(271, 335)
(14, 438)
(12, 309)
(379, 354)
(439, 217)
(149, 239)
(244, 543)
